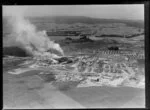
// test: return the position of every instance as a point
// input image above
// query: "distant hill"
(70, 20)
(86, 20)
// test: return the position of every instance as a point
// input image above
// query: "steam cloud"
(34, 42)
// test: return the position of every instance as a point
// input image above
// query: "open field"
(103, 66)
(31, 91)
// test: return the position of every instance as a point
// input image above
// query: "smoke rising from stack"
(26, 36)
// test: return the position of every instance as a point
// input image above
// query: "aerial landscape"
(74, 60)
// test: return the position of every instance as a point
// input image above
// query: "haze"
(132, 11)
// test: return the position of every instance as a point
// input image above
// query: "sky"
(130, 11)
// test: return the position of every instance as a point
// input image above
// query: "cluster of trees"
(113, 35)
(63, 33)
(15, 51)
(113, 48)
(80, 40)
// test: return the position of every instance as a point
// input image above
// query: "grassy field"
(109, 97)
(32, 92)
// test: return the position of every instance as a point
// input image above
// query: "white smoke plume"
(35, 42)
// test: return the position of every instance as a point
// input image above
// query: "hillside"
(65, 21)
(87, 20)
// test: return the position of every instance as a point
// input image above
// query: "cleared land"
(48, 84)
(32, 92)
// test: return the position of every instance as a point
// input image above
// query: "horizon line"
(79, 16)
